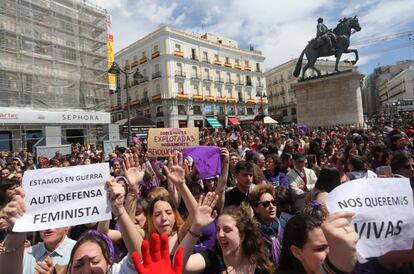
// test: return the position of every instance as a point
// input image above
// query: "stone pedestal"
(334, 100)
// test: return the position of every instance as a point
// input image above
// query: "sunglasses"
(266, 204)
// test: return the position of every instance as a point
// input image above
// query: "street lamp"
(115, 69)
(262, 95)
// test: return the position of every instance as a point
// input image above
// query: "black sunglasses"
(266, 204)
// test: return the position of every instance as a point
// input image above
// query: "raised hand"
(342, 240)
(116, 194)
(13, 209)
(204, 214)
(159, 261)
(226, 155)
(175, 172)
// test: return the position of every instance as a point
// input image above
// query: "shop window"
(182, 110)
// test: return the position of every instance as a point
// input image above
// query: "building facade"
(279, 80)
(53, 70)
(376, 96)
(398, 89)
(189, 80)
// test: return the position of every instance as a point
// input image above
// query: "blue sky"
(280, 29)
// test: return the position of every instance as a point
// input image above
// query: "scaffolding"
(53, 55)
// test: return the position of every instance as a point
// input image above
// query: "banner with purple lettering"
(59, 197)
(384, 213)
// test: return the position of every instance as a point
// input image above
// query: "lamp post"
(262, 95)
(115, 69)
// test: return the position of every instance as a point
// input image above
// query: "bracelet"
(194, 234)
(331, 268)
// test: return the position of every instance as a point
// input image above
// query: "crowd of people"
(265, 211)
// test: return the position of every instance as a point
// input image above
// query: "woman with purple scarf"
(272, 173)
(262, 199)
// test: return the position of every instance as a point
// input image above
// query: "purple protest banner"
(207, 160)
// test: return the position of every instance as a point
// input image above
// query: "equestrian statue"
(328, 42)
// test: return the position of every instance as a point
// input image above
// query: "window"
(197, 110)
(157, 89)
(241, 110)
(206, 73)
(196, 89)
(160, 109)
(258, 67)
(157, 67)
(248, 80)
(182, 110)
(144, 73)
(250, 111)
(194, 72)
(285, 112)
(293, 111)
(208, 90)
(238, 79)
(193, 54)
(217, 75)
(179, 68)
(208, 110)
(246, 63)
(145, 93)
(216, 57)
(177, 47)
(219, 91)
(155, 48)
(237, 62)
(227, 60)
(180, 86)
(229, 92)
(134, 58)
(228, 77)
(205, 56)
(144, 54)
(147, 113)
(231, 110)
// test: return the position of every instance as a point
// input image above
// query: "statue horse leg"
(356, 55)
(338, 57)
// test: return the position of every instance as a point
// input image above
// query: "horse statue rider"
(329, 42)
(325, 34)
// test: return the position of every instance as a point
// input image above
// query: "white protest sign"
(59, 197)
(384, 215)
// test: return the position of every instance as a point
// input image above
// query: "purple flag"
(207, 160)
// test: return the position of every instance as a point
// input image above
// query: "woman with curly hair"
(240, 246)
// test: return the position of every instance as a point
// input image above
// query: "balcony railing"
(194, 57)
(229, 82)
(155, 54)
(160, 114)
(196, 76)
(180, 74)
(208, 78)
(156, 75)
(219, 80)
(248, 83)
(179, 53)
(239, 83)
(143, 60)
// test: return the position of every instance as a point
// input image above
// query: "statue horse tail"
(298, 66)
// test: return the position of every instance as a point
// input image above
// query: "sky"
(280, 29)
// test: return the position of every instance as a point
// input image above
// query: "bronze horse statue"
(313, 51)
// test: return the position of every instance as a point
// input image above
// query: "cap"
(298, 157)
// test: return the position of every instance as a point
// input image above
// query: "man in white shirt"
(301, 181)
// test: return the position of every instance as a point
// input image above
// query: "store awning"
(213, 122)
(234, 121)
(269, 120)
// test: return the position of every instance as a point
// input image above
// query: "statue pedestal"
(330, 101)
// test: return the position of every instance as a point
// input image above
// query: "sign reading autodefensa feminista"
(59, 197)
